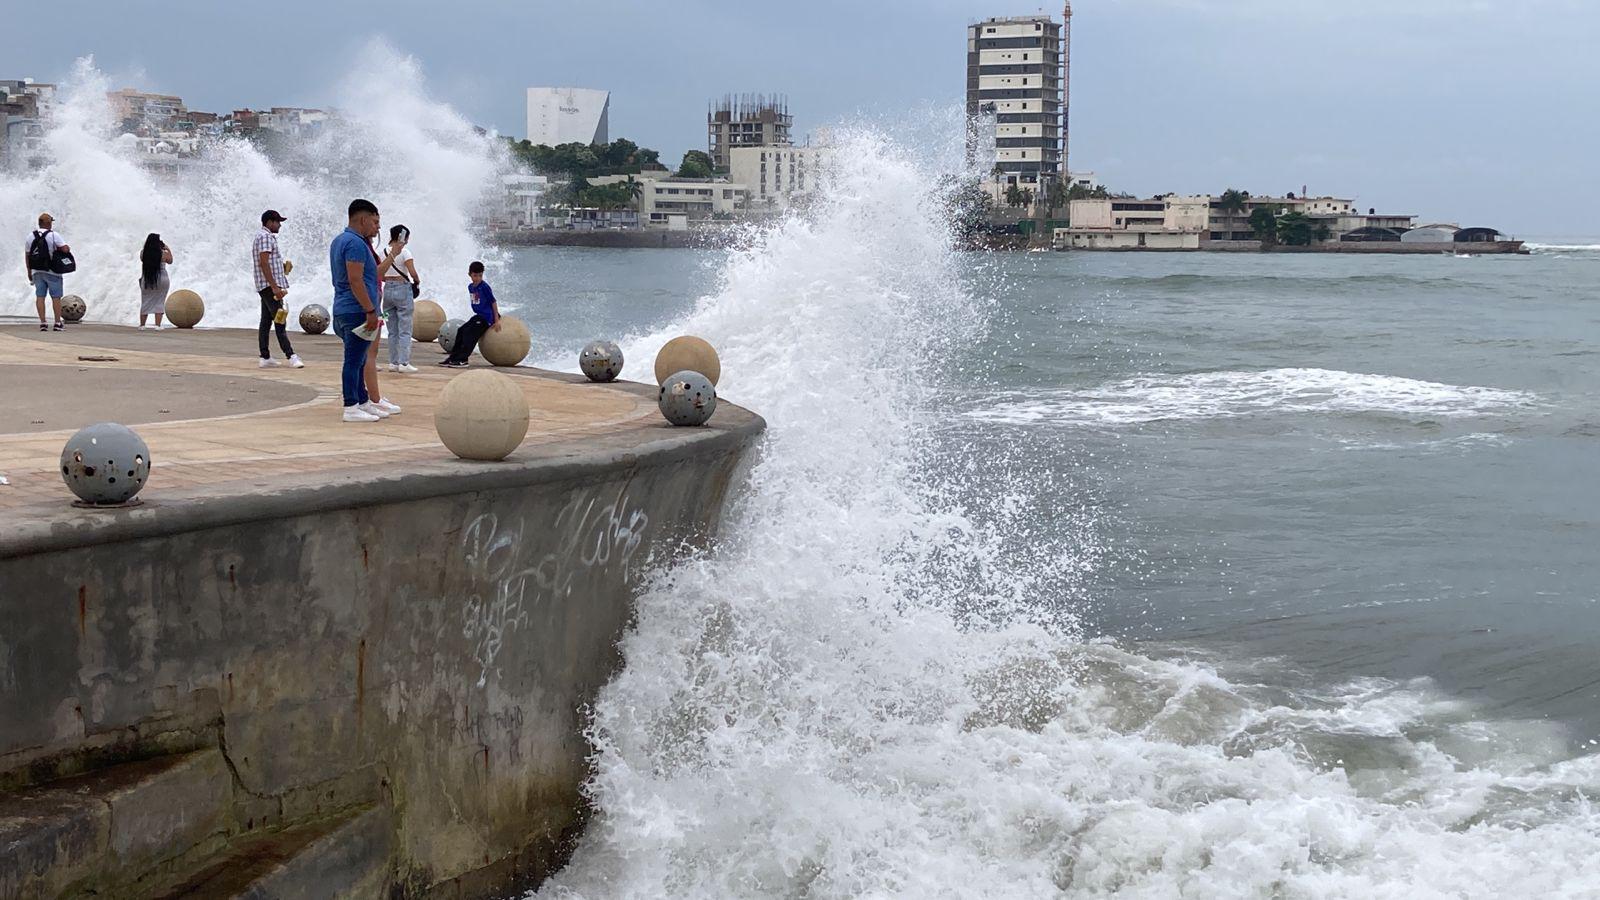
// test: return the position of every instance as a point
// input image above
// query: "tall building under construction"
(1017, 77)
(746, 120)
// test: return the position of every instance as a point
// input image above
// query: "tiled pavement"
(192, 456)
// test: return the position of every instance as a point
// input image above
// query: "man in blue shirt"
(485, 315)
(354, 265)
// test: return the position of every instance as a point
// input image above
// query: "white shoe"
(392, 409)
(269, 364)
(407, 369)
(294, 361)
(357, 414)
(373, 409)
(393, 367)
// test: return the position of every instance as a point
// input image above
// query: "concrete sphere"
(426, 317)
(73, 308)
(601, 361)
(185, 309)
(314, 318)
(687, 398)
(105, 464)
(447, 334)
(482, 415)
(688, 353)
(508, 346)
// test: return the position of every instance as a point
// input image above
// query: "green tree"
(1264, 222)
(1233, 201)
(635, 189)
(1324, 233)
(1013, 196)
(696, 164)
(1294, 230)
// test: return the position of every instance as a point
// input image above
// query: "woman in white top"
(400, 287)
(153, 280)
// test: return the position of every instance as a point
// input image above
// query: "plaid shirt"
(267, 242)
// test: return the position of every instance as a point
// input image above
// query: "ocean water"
(1056, 574)
(1081, 574)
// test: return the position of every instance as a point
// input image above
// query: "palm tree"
(1233, 201)
(634, 188)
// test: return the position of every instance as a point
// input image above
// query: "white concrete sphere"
(426, 318)
(73, 308)
(688, 353)
(508, 346)
(185, 309)
(482, 415)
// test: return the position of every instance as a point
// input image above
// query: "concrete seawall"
(377, 683)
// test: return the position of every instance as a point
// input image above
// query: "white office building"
(564, 115)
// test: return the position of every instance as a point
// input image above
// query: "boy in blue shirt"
(485, 315)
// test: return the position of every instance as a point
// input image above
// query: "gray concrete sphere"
(314, 318)
(601, 361)
(105, 464)
(447, 334)
(73, 308)
(687, 398)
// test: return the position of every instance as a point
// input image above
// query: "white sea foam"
(1211, 395)
(807, 711)
(418, 160)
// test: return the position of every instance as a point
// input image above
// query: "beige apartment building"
(678, 202)
(777, 176)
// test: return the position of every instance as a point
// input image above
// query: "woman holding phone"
(153, 280)
(400, 289)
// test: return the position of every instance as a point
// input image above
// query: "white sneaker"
(373, 409)
(294, 361)
(392, 409)
(357, 414)
(393, 367)
(269, 364)
(407, 368)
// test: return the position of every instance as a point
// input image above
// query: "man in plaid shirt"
(272, 283)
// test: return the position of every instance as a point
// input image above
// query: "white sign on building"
(564, 115)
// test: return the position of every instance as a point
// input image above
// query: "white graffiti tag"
(503, 580)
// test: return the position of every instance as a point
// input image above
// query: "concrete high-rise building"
(564, 115)
(746, 120)
(1017, 70)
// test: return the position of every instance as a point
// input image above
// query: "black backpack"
(39, 254)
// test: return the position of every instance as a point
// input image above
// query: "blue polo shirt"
(352, 247)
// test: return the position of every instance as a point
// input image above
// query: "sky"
(1466, 111)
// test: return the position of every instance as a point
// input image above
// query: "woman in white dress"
(153, 281)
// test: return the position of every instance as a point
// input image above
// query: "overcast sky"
(1459, 110)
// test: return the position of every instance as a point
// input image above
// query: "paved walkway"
(212, 417)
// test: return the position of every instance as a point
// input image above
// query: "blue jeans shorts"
(46, 282)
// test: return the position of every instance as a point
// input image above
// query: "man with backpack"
(46, 257)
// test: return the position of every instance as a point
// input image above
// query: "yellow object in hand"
(288, 266)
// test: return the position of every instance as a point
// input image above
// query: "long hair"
(150, 261)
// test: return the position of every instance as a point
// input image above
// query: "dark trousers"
(269, 310)
(351, 382)
(467, 337)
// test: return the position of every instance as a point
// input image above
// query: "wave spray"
(869, 687)
(416, 158)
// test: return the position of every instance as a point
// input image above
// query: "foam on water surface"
(1211, 395)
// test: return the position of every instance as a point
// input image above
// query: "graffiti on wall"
(508, 580)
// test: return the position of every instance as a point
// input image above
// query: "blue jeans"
(355, 356)
(44, 282)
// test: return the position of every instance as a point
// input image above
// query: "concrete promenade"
(319, 658)
(219, 426)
